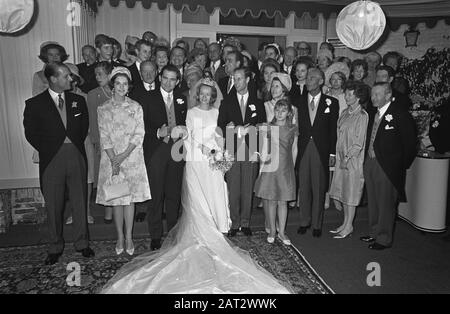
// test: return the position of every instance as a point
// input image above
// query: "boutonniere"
(435, 124)
(74, 104)
(252, 107)
(180, 101)
(327, 110)
(328, 101)
(388, 118)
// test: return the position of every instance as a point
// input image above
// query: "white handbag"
(116, 188)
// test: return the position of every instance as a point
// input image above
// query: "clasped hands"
(116, 161)
(176, 133)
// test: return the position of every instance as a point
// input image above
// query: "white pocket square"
(78, 114)
(254, 115)
(387, 127)
(327, 110)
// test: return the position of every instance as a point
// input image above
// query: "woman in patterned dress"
(121, 127)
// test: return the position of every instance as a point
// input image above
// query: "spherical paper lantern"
(15, 15)
(360, 24)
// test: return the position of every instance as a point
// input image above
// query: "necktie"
(213, 69)
(242, 108)
(60, 102)
(311, 104)
(169, 101)
(376, 124)
(230, 82)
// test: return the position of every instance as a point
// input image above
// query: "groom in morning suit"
(239, 110)
(390, 151)
(164, 110)
(318, 115)
(56, 124)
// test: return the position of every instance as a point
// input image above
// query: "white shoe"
(270, 239)
(69, 220)
(285, 241)
(119, 247)
(90, 220)
(130, 247)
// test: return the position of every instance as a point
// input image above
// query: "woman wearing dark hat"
(50, 52)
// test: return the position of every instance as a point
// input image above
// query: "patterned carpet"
(22, 270)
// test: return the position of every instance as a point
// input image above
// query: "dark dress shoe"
(52, 259)
(317, 233)
(232, 232)
(155, 244)
(377, 246)
(302, 230)
(367, 239)
(107, 221)
(246, 231)
(87, 252)
(140, 217)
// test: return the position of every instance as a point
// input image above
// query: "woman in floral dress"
(121, 127)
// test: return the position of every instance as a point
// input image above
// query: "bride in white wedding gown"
(196, 257)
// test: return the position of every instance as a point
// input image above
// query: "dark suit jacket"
(220, 73)
(295, 94)
(440, 128)
(155, 116)
(45, 131)
(395, 145)
(223, 85)
(323, 131)
(143, 97)
(135, 76)
(88, 74)
(230, 111)
(401, 100)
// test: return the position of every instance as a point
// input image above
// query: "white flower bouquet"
(220, 160)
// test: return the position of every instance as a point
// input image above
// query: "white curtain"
(120, 21)
(18, 61)
(84, 34)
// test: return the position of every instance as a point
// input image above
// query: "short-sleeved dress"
(119, 125)
(348, 179)
(276, 180)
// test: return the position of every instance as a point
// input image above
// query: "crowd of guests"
(342, 124)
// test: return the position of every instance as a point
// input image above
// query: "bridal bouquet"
(220, 160)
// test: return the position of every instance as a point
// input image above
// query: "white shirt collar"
(55, 96)
(138, 65)
(215, 64)
(165, 94)
(259, 64)
(383, 110)
(148, 87)
(239, 96)
(316, 99)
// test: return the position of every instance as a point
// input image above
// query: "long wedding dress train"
(196, 257)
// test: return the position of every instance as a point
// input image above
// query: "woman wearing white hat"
(121, 127)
